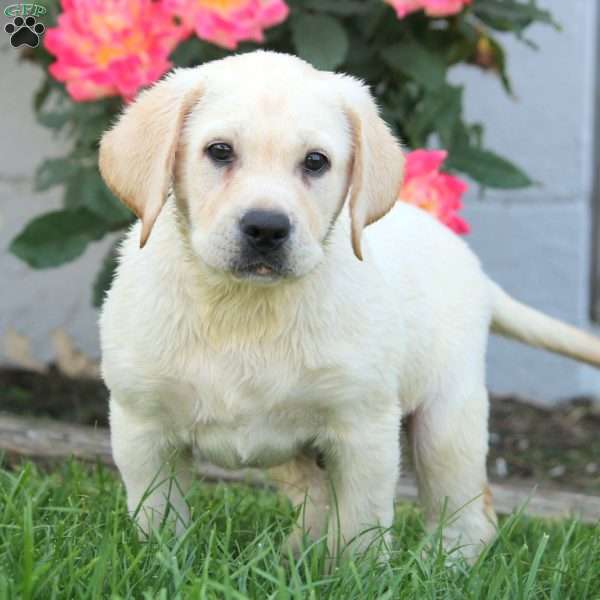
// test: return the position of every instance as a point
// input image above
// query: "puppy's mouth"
(263, 270)
(259, 270)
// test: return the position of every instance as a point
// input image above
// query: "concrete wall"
(35, 304)
(536, 243)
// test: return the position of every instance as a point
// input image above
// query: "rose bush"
(229, 22)
(111, 47)
(440, 194)
(432, 8)
(98, 53)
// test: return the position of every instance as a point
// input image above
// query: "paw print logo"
(24, 32)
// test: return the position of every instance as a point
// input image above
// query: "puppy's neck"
(228, 313)
(234, 313)
(239, 313)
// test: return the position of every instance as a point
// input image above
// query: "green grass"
(67, 535)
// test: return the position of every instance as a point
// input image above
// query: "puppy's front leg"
(156, 476)
(363, 464)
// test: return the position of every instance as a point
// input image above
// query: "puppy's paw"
(296, 543)
(374, 543)
(460, 545)
(150, 519)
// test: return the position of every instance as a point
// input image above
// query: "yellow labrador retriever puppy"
(252, 323)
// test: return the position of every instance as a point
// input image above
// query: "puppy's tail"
(514, 320)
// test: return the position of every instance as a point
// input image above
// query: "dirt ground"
(557, 448)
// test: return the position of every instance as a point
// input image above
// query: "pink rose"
(111, 47)
(404, 7)
(228, 22)
(437, 193)
(432, 8)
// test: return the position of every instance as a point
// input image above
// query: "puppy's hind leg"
(450, 442)
(156, 477)
(307, 487)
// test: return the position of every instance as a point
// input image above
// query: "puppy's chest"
(235, 414)
(253, 441)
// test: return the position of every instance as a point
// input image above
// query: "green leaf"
(439, 112)
(511, 15)
(88, 190)
(42, 95)
(417, 62)
(335, 7)
(194, 51)
(54, 171)
(500, 58)
(105, 276)
(320, 39)
(487, 168)
(57, 237)
(54, 119)
(90, 120)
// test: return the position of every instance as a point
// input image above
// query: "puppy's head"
(262, 151)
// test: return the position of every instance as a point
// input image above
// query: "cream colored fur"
(326, 359)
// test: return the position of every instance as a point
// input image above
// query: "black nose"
(265, 230)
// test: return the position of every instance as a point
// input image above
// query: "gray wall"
(536, 243)
(35, 304)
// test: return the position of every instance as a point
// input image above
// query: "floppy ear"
(137, 155)
(377, 164)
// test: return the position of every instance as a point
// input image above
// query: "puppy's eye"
(220, 152)
(315, 163)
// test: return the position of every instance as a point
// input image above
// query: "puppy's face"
(262, 151)
(263, 169)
